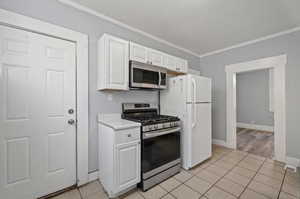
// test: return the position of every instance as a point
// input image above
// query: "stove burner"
(154, 119)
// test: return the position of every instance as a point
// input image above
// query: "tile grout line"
(213, 184)
(201, 195)
(192, 175)
(222, 177)
(280, 189)
(80, 193)
(228, 173)
(222, 157)
(251, 179)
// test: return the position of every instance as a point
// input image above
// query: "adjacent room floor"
(255, 142)
(228, 174)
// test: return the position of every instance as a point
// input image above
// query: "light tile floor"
(227, 175)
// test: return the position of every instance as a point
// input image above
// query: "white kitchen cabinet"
(119, 154)
(145, 55)
(181, 65)
(170, 62)
(155, 57)
(113, 63)
(138, 53)
(127, 157)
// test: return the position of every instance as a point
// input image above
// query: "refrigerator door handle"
(194, 103)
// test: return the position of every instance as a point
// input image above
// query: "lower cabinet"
(119, 159)
(127, 164)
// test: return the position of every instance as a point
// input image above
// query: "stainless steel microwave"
(143, 75)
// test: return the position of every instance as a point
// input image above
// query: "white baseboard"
(93, 176)
(292, 163)
(219, 142)
(255, 127)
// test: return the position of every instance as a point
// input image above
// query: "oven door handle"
(160, 133)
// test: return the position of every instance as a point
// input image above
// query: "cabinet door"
(169, 62)
(155, 57)
(117, 63)
(128, 163)
(181, 65)
(138, 52)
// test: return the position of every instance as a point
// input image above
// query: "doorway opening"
(255, 118)
(277, 65)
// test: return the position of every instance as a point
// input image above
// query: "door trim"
(18, 21)
(277, 63)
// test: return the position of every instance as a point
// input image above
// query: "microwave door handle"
(159, 79)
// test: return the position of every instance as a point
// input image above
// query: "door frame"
(277, 63)
(22, 22)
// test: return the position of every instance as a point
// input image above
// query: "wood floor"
(256, 142)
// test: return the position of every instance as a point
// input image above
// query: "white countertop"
(116, 122)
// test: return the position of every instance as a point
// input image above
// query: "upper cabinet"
(157, 58)
(138, 53)
(169, 62)
(181, 65)
(113, 63)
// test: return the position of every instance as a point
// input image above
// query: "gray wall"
(56, 13)
(252, 94)
(214, 66)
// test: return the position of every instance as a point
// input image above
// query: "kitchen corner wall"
(214, 66)
(99, 102)
(252, 94)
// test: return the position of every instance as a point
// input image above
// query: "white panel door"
(201, 133)
(127, 165)
(37, 87)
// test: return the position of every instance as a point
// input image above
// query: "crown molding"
(251, 42)
(114, 21)
(119, 23)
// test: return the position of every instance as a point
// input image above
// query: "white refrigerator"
(189, 98)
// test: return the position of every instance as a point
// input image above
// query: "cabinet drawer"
(127, 135)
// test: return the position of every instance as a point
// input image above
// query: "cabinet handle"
(129, 135)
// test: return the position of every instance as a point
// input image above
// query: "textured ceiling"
(202, 26)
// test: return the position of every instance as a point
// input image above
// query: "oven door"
(160, 151)
(144, 76)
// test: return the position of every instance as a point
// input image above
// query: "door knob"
(71, 121)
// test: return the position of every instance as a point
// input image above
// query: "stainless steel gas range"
(160, 142)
